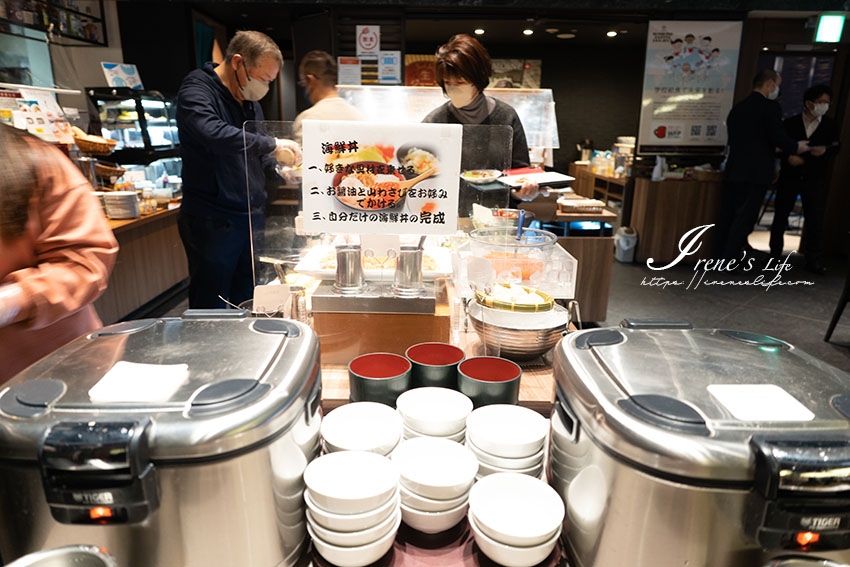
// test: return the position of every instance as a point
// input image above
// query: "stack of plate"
(362, 426)
(352, 507)
(434, 412)
(507, 438)
(121, 204)
(516, 520)
(436, 475)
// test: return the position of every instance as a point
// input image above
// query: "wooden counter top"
(536, 387)
(125, 224)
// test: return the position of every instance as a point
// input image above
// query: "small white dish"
(485, 470)
(359, 556)
(362, 426)
(458, 437)
(354, 539)
(508, 555)
(516, 509)
(435, 468)
(506, 462)
(351, 482)
(439, 412)
(506, 430)
(352, 522)
(418, 502)
(433, 522)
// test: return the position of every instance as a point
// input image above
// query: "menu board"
(380, 178)
(688, 86)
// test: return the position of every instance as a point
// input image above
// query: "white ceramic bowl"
(351, 522)
(362, 426)
(434, 411)
(508, 555)
(485, 470)
(433, 522)
(359, 556)
(505, 462)
(507, 430)
(516, 509)
(351, 482)
(354, 539)
(435, 468)
(458, 437)
(413, 500)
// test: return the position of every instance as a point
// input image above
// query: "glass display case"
(142, 122)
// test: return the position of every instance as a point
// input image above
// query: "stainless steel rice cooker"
(673, 446)
(178, 441)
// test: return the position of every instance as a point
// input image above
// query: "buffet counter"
(151, 261)
(536, 389)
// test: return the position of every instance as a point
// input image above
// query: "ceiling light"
(611, 33)
(624, 31)
(479, 31)
(764, 49)
(565, 35)
(527, 31)
(574, 30)
(552, 30)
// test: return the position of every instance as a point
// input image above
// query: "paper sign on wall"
(368, 40)
(381, 178)
(348, 71)
(389, 68)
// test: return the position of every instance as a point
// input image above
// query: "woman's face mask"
(820, 108)
(461, 95)
(254, 89)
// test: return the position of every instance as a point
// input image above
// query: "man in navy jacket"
(755, 131)
(806, 175)
(220, 164)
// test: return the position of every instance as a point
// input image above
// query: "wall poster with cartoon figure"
(688, 86)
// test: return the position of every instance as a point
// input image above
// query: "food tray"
(488, 301)
(586, 206)
(545, 179)
(314, 264)
(96, 148)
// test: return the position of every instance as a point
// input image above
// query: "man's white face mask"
(254, 89)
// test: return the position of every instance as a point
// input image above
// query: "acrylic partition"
(535, 107)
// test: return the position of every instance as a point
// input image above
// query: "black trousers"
(813, 194)
(738, 215)
(220, 262)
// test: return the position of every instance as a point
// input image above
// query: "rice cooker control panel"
(98, 472)
(801, 498)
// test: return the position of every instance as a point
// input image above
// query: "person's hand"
(802, 146)
(795, 161)
(817, 151)
(287, 152)
(10, 303)
(528, 191)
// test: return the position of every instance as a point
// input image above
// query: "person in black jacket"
(755, 130)
(805, 175)
(217, 213)
(463, 71)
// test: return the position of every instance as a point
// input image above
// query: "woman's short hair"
(463, 57)
(252, 45)
(321, 65)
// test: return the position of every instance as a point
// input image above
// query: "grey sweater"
(503, 115)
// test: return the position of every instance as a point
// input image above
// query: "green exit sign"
(829, 29)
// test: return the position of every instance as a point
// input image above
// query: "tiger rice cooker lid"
(693, 403)
(207, 384)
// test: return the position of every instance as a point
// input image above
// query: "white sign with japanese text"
(368, 40)
(688, 86)
(366, 178)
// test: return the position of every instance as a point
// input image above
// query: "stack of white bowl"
(434, 412)
(362, 426)
(352, 506)
(435, 475)
(516, 520)
(507, 438)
